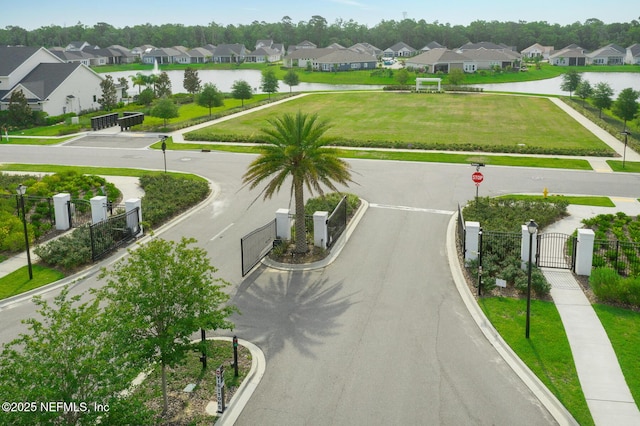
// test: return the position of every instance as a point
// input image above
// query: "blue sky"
(31, 14)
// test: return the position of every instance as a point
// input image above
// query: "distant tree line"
(591, 34)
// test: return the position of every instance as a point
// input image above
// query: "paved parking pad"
(120, 140)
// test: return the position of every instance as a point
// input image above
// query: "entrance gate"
(256, 245)
(556, 250)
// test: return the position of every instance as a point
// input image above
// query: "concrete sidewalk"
(605, 389)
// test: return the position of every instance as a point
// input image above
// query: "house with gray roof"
(72, 56)
(572, 55)
(264, 55)
(487, 59)
(302, 57)
(610, 54)
(367, 48)
(431, 46)
(49, 84)
(345, 60)
(230, 53)
(200, 55)
(633, 54)
(399, 49)
(441, 60)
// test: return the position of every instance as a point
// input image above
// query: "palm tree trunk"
(301, 229)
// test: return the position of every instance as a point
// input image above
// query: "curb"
(248, 386)
(541, 392)
(333, 254)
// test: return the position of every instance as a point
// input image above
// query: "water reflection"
(224, 80)
(617, 80)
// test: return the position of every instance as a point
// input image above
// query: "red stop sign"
(477, 177)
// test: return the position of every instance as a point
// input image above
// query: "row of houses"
(469, 57)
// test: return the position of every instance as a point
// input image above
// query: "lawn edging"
(557, 410)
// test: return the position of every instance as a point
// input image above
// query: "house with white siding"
(49, 84)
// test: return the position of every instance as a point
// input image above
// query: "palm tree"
(294, 148)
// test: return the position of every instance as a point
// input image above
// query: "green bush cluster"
(328, 202)
(167, 195)
(509, 269)
(609, 286)
(617, 242)
(69, 251)
(507, 215)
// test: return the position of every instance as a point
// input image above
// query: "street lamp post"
(21, 190)
(164, 151)
(624, 153)
(532, 227)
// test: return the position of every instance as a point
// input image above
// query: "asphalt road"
(381, 335)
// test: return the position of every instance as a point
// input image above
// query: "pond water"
(617, 80)
(224, 79)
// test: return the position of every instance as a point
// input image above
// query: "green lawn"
(546, 352)
(18, 281)
(449, 121)
(623, 328)
(430, 157)
(577, 200)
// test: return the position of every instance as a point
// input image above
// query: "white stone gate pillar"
(132, 204)
(584, 255)
(471, 241)
(283, 224)
(61, 211)
(98, 209)
(320, 229)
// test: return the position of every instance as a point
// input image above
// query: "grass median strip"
(420, 156)
(18, 282)
(547, 352)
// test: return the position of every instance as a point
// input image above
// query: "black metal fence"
(500, 245)
(79, 212)
(622, 256)
(308, 226)
(256, 245)
(113, 233)
(337, 222)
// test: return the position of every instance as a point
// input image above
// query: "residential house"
(537, 50)
(139, 51)
(122, 55)
(431, 46)
(76, 46)
(303, 45)
(164, 55)
(367, 48)
(71, 56)
(305, 57)
(264, 55)
(441, 60)
(572, 55)
(633, 54)
(483, 45)
(399, 50)
(49, 84)
(345, 60)
(278, 47)
(181, 56)
(487, 59)
(610, 54)
(200, 55)
(230, 53)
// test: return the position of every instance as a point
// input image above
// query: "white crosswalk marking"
(410, 209)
